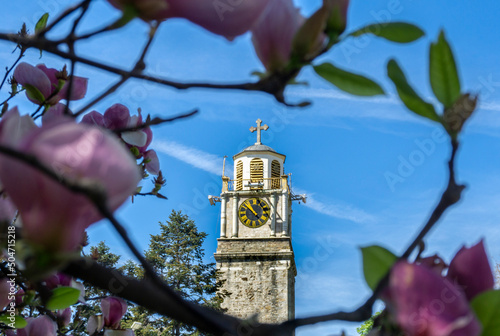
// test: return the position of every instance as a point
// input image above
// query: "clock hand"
(251, 209)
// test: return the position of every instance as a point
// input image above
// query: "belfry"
(254, 253)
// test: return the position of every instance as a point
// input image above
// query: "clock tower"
(254, 253)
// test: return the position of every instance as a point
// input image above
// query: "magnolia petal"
(94, 118)
(41, 326)
(14, 127)
(471, 270)
(26, 74)
(51, 74)
(64, 316)
(152, 164)
(81, 288)
(137, 138)
(54, 113)
(424, 303)
(78, 90)
(4, 293)
(273, 33)
(113, 310)
(117, 116)
(220, 17)
(95, 324)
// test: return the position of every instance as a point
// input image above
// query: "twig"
(21, 55)
(71, 47)
(156, 121)
(138, 68)
(61, 17)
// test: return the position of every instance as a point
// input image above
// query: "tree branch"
(274, 84)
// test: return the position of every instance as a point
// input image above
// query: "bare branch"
(156, 121)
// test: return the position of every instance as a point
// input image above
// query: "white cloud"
(336, 209)
(192, 156)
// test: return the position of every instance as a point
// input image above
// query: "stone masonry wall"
(259, 274)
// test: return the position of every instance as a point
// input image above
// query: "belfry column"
(274, 201)
(284, 204)
(223, 217)
(235, 216)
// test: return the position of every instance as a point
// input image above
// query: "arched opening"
(275, 174)
(257, 173)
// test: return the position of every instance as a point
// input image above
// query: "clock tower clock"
(254, 254)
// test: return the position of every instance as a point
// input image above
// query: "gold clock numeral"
(254, 212)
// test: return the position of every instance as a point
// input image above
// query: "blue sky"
(339, 151)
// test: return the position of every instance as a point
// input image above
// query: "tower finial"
(258, 129)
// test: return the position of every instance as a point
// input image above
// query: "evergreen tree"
(177, 253)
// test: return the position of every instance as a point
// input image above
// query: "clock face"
(254, 212)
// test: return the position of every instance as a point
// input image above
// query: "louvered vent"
(257, 172)
(275, 174)
(239, 175)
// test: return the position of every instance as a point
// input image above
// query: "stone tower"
(254, 252)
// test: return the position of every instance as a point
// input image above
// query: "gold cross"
(258, 129)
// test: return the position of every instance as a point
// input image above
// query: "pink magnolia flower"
(41, 326)
(471, 270)
(51, 83)
(225, 18)
(113, 310)
(59, 279)
(118, 117)
(64, 317)
(4, 293)
(53, 216)
(273, 33)
(426, 303)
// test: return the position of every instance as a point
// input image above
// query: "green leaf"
(400, 32)
(443, 72)
(487, 308)
(42, 23)
(34, 93)
(407, 95)
(377, 261)
(63, 297)
(349, 82)
(19, 321)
